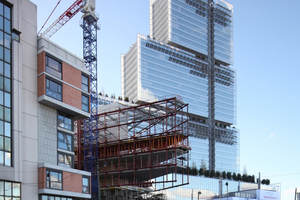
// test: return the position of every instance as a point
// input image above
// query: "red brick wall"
(71, 75)
(72, 182)
(41, 85)
(42, 178)
(71, 96)
(41, 62)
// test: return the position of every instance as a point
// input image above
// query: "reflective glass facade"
(183, 23)
(153, 70)
(173, 61)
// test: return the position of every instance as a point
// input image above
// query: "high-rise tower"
(189, 53)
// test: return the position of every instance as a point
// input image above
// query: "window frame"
(56, 82)
(65, 134)
(4, 195)
(65, 115)
(6, 107)
(88, 186)
(48, 182)
(63, 163)
(83, 104)
(83, 84)
(59, 71)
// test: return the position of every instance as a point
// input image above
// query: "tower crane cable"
(49, 16)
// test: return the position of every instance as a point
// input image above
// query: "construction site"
(140, 149)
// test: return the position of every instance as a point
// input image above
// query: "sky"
(266, 52)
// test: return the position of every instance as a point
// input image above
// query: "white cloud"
(272, 135)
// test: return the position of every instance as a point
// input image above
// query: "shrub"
(218, 174)
(229, 175)
(224, 175)
(234, 176)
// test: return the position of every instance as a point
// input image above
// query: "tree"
(263, 181)
(245, 171)
(194, 171)
(234, 176)
(206, 173)
(203, 164)
(100, 93)
(212, 173)
(249, 178)
(106, 95)
(126, 99)
(244, 178)
(201, 171)
(218, 174)
(224, 175)
(267, 182)
(229, 175)
(239, 177)
(252, 179)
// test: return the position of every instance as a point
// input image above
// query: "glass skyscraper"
(189, 54)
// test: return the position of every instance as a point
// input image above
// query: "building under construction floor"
(141, 148)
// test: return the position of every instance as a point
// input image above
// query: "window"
(65, 141)
(85, 83)
(65, 121)
(53, 179)
(85, 185)
(53, 89)
(5, 86)
(53, 67)
(65, 160)
(15, 35)
(47, 197)
(10, 190)
(85, 103)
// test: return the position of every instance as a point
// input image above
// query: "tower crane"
(90, 26)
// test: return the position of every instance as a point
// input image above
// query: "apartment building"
(43, 89)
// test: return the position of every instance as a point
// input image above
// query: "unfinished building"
(141, 148)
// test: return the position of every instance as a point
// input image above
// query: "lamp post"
(227, 189)
(199, 194)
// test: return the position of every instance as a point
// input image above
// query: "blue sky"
(266, 52)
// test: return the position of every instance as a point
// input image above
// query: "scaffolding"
(143, 146)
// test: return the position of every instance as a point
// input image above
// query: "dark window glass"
(53, 67)
(1, 9)
(7, 40)
(85, 83)
(65, 141)
(53, 179)
(6, 12)
(6, 55)
(1, 22)
(85, 103)
(53, 89)
(7, 26)
(65, 121)
(7, 70)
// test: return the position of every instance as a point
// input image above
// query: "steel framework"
(142, 146)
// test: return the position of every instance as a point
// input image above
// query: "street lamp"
(227, 189)
(199, 194)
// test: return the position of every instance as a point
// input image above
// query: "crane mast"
(90, 26)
